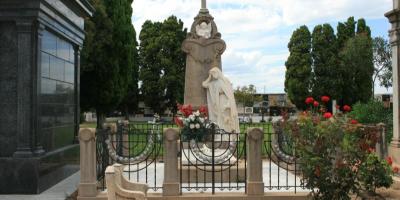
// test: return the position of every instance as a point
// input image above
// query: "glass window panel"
(56, 68)
(71, 54)
(69, 72)
(49, 43)
(63, 49)
(48, 86)
(45, 65)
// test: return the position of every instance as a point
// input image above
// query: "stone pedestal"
(255, 184)
(88, 182)
(394, 18)
(204, 48)
(171, 185)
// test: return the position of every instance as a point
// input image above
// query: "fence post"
(88, 182)
(381, 146)
(171, 185)
(255, 184)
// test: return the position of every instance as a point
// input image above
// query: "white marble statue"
(204, 30)
(221, 101)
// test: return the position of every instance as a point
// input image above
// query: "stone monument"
(203, 47)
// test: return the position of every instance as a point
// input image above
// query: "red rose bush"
(336, 153)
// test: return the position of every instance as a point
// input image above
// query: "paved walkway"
(58, 192)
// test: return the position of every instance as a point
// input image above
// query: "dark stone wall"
(8, 88)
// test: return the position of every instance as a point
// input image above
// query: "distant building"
(271, 105)
(387, 99)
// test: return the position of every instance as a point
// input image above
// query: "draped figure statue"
(221, 101)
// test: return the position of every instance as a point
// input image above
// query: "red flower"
(203, 110)
(337, 107)
(316, 104)
(389, 160)
(178, 121)
(186, 110)
(346, 108)
(327, 115)
(309, 100)
(371, 150)
(396, 170)
(325, 99)
(353, 121)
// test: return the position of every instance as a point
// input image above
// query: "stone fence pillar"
(88, 183)
(171, 185)
(381, 146)
(255, 184)
(394, 19)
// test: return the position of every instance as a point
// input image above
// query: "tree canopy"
(298, 67)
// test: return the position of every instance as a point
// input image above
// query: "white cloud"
(257, 31)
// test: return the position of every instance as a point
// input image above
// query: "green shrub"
(374, 112)
(336, 154)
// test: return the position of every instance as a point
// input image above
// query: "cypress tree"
(324, 55)
(298, 67)
(99, 77)
(123, 51)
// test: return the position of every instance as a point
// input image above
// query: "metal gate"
(217, 161)
(138, 146)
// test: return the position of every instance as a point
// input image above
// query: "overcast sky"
(257, 31)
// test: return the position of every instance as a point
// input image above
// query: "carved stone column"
(255, 184)
(204, 47)
(25, 116)
(394, 18)
(171, 185)
(88, 183)
(77, 57)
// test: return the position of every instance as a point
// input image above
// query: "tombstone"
(204, 48)
(40, 43)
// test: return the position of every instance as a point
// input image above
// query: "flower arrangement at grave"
(336, 153)
(192, 123)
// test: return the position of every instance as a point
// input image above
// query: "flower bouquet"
(193, 124)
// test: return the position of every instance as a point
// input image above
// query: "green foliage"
(246, 95)
(150, 66)
(324, 54)
(108, 56)
(162, 63)
(332, 153)
(173, 59)
(298, 67)
(374, 112)
(357, 70)
(375, 173)
(96, 64)
(383, 62)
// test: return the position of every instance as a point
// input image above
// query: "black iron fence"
(218, 163)
(215, 162)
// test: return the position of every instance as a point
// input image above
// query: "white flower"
(197, 113)
(192, 117)
(191, 126)
(197, 126)
(201, 120)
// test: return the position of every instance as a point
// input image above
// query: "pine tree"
(324, 55)
(298, 67)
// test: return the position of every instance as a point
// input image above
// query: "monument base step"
(203, 174)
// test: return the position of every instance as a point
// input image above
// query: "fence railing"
(150, 151)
